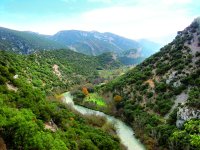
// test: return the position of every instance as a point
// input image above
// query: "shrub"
(117, 98)
(85, 91)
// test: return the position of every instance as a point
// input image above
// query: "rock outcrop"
(185, 113)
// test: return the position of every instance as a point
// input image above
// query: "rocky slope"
(163, 92)
(95, 43)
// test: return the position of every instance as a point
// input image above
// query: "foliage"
(85, 91)
(194, 97)
(24, 114)
(187, 137)
(150, 89)
(117, 98)
(38, 69)
(95, 98)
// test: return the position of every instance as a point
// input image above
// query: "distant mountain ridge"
(149, 46)
(25, 42)
(86, 42)
(95, 43)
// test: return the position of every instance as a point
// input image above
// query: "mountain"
(128, 51)
(149, 47)
(94, 43)
(136, 56)
(130, 57)
(90, 43)
(160, 98)
(25, 42)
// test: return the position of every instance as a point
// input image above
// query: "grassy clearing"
(95, 98)
(113, 73)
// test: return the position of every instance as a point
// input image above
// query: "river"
(124, 132)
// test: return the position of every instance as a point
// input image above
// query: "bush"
(2, 80)
(161, 87)
(117, 98)
(87, 145)
(194, 97)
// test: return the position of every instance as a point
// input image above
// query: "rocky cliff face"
(186, 113)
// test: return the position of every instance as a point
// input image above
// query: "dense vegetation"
(29, 121)
(151, 90)
(88, 98)
(146, 97)
(52, 71)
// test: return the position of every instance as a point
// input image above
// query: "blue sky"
(157, 20)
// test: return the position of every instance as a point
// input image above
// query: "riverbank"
(94, 101)
(124, 132)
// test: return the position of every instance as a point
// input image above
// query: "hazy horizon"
(156, 20)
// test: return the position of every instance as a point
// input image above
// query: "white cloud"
(150, 21)
(156, 20)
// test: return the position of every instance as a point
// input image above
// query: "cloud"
(154, 20)
(150, 21)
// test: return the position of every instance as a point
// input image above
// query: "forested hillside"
(29, 121)
(161, 96)
(32, 116)
(99, 75)
(57, 70)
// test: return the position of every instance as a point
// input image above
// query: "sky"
(156, 20)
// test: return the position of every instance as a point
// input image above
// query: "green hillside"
(57, 70)
(161, 96)
(31, 114)
(25, 42)
(29, 121)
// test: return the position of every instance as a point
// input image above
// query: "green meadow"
(95, 98)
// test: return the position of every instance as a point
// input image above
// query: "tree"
(187, 137)
(118, 98)
(85, 91)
